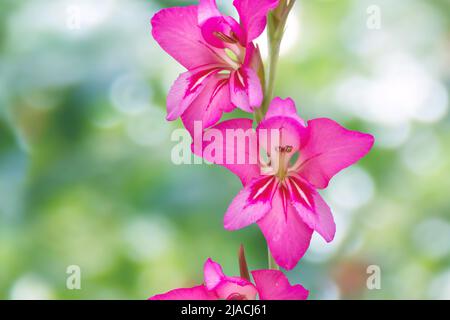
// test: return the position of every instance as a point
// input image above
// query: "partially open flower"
(269, 285)
(220, 57)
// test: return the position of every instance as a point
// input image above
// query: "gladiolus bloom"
(221, 60)
(269, 285)
(280, 193)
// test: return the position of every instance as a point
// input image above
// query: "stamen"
(282, 159)
(285, 149)
(225, 38)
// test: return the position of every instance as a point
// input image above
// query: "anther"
(285, 149)
(225, 38)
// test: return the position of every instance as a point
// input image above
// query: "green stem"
(275, 31)
(273, 62)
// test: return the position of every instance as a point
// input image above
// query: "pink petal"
(245, 89)
(207, 9)
(194, 293)
(278, 132)
(209, 104)
(274, 285)
(213, 274)
(329, 149)
(254, 88)
(251, 204)
(282, 128)
(253, 58)
(226, 287)
(177, 32)
(283, 108)
(213, 26)
(226, 26)
(253, 15)
(312, 208)
(287, 235)
(186, 89)
(242, 151)
(234, 288)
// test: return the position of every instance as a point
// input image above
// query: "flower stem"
(274, 52)
(276, 25)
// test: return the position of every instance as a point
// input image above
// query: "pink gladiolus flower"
(280, 193)
(269, 285)
(221, 60)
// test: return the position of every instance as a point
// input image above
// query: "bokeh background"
(85, 171)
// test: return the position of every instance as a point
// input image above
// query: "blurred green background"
(85, 171)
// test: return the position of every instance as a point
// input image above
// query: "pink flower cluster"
(280, 189)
